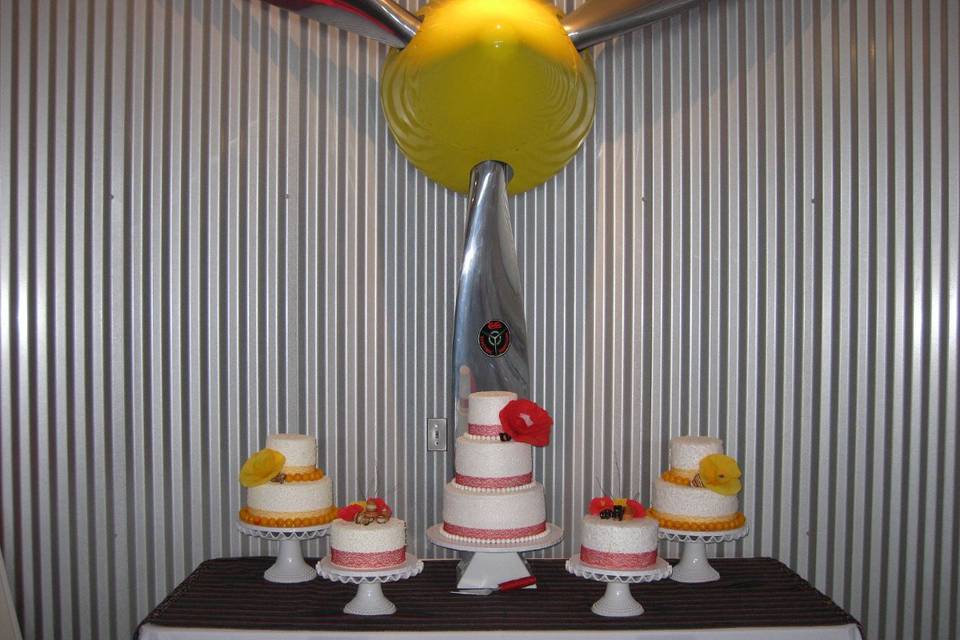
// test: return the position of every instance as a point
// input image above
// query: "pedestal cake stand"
(492, 563)
(693, 565)
(369, 600)
(289, 567)
(617, 601)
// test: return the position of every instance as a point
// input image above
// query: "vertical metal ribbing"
(206, 233)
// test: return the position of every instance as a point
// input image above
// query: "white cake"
(493, 496)
(497, 516)
(298, 495)
(483, 412)
(619, 544)
(681, 498)
(485, 464)
(368, 546)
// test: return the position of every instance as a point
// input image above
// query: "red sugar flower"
(599, 504)
(525, 421)
(382, 506)
(636, 509)
(350, 511)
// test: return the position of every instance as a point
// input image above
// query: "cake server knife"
(509, 585)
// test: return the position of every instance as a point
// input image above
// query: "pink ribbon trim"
(484, 429)
(494, 534)
(493, 483)
(611, 560)
(360, 560)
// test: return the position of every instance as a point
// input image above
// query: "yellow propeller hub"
(489, 80)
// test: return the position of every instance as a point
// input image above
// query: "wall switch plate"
(436, 434)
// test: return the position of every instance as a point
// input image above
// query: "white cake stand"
(493, 562)
(693, 565)
(289, 567)
(617, 601)
(369, 600)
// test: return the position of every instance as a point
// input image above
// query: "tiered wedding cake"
(285, 488)
(493, 496)
(699, 491)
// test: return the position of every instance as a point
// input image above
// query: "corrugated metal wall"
(207, 233)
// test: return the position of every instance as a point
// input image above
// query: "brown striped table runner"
(752, 592)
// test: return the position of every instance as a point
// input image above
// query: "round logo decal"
(494, 338)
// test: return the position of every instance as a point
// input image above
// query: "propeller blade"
(490, 331)
(382, 20)
(598, 20)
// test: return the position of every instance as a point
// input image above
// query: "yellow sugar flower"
(261, 467)
(721, 474)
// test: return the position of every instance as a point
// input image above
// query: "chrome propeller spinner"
(490, 349)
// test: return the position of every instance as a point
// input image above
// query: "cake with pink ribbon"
(618, 535)
(493, 496)
(365, 536)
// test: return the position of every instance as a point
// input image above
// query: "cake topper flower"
(720, 474)
(261, 467)
(350, 511)
(619, 508)
(366, 511)
(525, 421)
(599, 504)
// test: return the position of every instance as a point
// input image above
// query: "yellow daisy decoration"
(261, 467)
(721, 474)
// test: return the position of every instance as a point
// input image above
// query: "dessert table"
(754, 598)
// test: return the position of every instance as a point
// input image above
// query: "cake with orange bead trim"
(285, 488)
(699, 490)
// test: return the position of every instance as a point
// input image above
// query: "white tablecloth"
(842, 632)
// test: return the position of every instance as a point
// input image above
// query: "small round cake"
(699, 490)
(365, 536)
(620, 539)
(503, 516)
(285, 489)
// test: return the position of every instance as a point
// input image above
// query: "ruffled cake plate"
(694, 566)
(369, 600)
(617, 601)
(289, 567)
(492, 563)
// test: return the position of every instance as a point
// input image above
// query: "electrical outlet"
(436, 434)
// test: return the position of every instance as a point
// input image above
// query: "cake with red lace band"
(506, 482)
(618, 535)
(366, 536)
(493, 496)
(500, 535)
